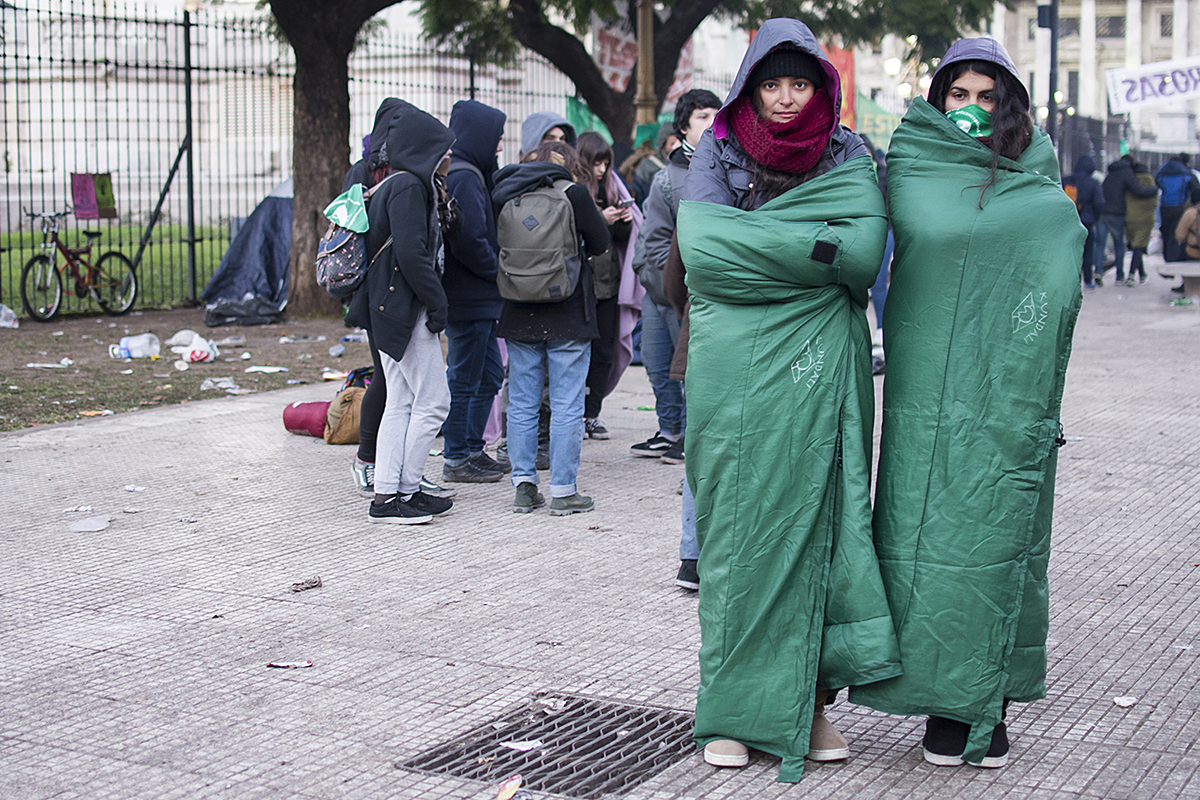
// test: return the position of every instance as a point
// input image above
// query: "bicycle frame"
(72, 256)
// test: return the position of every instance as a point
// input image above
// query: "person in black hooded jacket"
(474, 369)
(403, 307)
(1119, 181)
(1089, 201)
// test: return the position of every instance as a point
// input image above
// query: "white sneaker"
(726, 753)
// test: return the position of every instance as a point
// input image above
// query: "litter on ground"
(92, 524)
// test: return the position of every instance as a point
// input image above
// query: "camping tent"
(250, 284)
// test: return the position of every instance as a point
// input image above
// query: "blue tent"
(250, 284)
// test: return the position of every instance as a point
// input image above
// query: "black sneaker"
(428, 504)
(397, 512)
(595, 429)
(484, 461)
(470, 472)
(543, 458)
(1177, 289)
(653, 447)
(502, 455)
(688, 577)
(946, 740)
(674, 453)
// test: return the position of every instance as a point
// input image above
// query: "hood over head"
(1085, 164)
(982, 49)
(377, 141)
(1121, 164)
(417, 142)
(775, 34)
(478, 129)
(537, 124)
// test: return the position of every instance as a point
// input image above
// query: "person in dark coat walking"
(1176, 180)
(473, 366)
(403, 307)
(1089, 202)
(1119, 182)
(551, 341)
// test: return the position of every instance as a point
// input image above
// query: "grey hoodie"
(537, 124)
(721, 171)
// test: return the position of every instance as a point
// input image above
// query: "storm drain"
(567, 745)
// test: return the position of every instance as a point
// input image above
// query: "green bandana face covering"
(973, 120)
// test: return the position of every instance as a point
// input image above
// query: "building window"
(1031, 28)
(1068, 26)
(1110, 27)
(1166, 25)
(1073, 88)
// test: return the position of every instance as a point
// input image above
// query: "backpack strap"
(460, 166)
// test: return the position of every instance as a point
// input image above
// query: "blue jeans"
(1109, 224)
(568, 363)
(688, 548)
(475, 373)
(880, 287)
(660, 332)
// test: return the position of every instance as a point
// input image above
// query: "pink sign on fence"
(92, 195)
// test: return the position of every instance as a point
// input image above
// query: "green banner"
(873, 122)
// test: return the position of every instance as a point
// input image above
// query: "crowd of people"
(750, 261)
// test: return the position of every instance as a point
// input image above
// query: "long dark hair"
(559, 153)
(592, 149)
(1012, 127)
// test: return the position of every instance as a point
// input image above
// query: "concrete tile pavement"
(134, 658)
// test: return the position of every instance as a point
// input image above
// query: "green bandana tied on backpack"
(972, 120)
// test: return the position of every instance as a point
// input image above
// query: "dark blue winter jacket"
(1176, 182)
(1119, 181)
(470, 276)
(1089, 197)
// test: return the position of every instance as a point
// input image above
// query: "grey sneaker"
(595, 429)
(543, 459)
(364, 477)
(470, 472)
(528, 498)
(575, 504)
(483, 460)
(502, 455)
(431, 488)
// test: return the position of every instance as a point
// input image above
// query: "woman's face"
(971, 88)
(782, 99)
(599, 170)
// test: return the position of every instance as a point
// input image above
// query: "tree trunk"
(320, 157)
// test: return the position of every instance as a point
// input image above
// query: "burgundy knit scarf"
(793, 147)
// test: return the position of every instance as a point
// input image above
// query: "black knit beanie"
(793, 63)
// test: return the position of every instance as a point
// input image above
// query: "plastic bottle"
(8, 317)
(144, 345)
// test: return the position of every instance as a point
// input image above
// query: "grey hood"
(981, 49)
(776, 33)
(535, 126)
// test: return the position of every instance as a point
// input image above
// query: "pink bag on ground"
(306, 419)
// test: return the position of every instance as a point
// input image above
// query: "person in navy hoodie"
(473, 366)
(1176, 181)
(1089, 202)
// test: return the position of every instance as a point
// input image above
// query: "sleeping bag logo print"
(1029, 317)
(810, 363)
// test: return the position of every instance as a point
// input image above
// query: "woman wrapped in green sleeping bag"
(782, 229)
(980, 312)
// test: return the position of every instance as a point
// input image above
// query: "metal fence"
(103, 88)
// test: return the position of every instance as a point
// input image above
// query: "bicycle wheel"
(41, 288)
(115, 283)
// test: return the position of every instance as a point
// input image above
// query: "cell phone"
(625, 203)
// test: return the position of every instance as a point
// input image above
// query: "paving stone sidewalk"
(133, 659)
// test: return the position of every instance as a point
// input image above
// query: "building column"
(998, 22)
(1133, 58)
(1179, 29)
(1093, 94)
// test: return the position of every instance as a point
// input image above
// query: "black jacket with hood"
(360, 171)
(1089, 197)
(470, 276)
(404, 279)
(1121, 179)
(721, 171)
(575, 317)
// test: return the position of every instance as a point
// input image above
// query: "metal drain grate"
(589, 748)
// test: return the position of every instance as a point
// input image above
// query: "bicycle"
(111, 281)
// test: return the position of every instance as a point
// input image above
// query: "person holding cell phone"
(618, 292)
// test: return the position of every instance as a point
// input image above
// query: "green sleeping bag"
(780, 408)
(977, 332)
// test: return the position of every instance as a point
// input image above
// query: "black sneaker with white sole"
(428, 504)
(946, 740)
(688, 577)
(397, 512)
(653, 447)
(674, 453)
